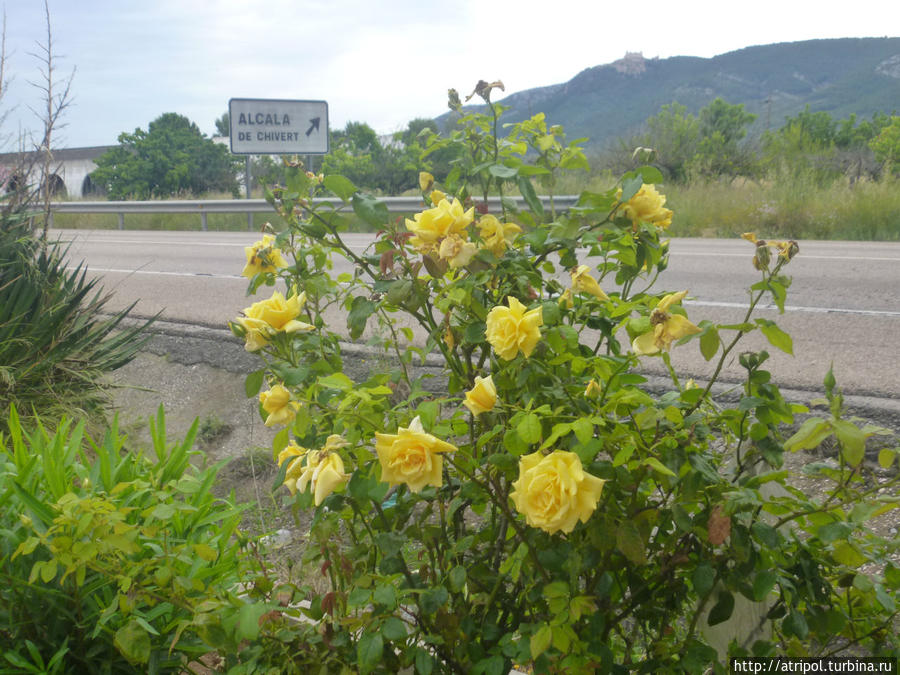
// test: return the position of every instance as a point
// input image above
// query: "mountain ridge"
(841, 76)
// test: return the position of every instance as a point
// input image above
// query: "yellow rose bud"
(437, 196)
(583, 282)
(566, 299)
(665, 327)
(512, 329)
(482, 397)
(593, 389)
(554, 492)
(263, 257)
(426, 180)
(277, 402)
(647, 207)
(411, 457)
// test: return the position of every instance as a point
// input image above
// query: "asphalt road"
(843, 305)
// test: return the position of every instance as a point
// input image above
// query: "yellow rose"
(426, 180)
(665, 327)
(647, 207)
(265, 318)
(262, 257)
(432, 225)
(456, 251)
(277, 402)
(411, 456)
(583, 282)
(554, 492)
(295, 454)
(497, 236)
(482, 397)
(323, 473)
(512, 329)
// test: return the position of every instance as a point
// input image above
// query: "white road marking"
(793, 308)
(800, 256)
(104, 270)
(699, 303)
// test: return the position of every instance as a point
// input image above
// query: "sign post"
(277, 127)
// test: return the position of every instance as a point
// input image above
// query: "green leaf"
(709, 343)
(886, 457)
(360, 311)
(540, 640)
(370, 650)
(254, 382)
(650, 174)
(833, 531)
(777, 337)
(433, 599)
(795, 623)
(584, 429)
(531, 198)
(763, 584)
(810, 434)
(133, 642)
(394, 630)
(386, 595)
(630, 542)
(371, 210)
(457, 578)
(529, 429)
(659, 467)
(248, 620)
(340, 186)
(424, 662)
(722, 610)
(630, 187)
(703, 578)
(502, 172)
(852, 439)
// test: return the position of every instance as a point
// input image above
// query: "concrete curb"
(190, 343)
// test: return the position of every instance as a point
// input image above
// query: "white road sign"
(275, 127)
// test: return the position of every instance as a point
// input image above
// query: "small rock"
(278, 539)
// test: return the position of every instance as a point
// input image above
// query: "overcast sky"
(383, 63)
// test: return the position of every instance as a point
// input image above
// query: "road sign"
(276, 127)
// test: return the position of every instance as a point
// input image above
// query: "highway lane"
(843, 305)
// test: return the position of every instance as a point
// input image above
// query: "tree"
(722, 127)
(886, 145)
(172, 157)
(223, 125)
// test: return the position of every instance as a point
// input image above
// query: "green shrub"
(56, 344)
(113, 562)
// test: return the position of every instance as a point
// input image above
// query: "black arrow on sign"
(313, 125)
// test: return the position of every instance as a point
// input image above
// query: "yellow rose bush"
(491, 478)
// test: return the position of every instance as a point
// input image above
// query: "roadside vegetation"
(815, 177)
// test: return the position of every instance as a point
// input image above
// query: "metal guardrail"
(203, 207)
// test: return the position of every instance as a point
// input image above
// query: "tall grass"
(797, 205)
(799, 208)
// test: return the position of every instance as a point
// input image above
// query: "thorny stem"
(725, 352)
